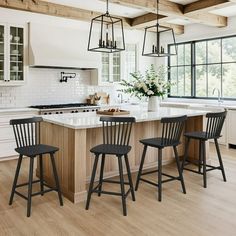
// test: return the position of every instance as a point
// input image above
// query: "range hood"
(60, 47)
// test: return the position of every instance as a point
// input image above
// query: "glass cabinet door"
(2, 52)
(16, 38)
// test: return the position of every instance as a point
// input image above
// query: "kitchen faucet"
(219, 96)
(120, 95)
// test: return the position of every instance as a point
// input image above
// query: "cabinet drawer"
(6, 133)
(7, 149)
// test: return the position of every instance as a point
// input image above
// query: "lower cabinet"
(231, 127)
(7, 140)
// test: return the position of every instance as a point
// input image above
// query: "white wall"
(43, 86)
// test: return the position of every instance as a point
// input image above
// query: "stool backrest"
(117, 130)
(215, 123)
(26, 131)
(172, 129)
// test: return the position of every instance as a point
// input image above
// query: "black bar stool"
(214, 126)
(171, 132)
(27, 135)
(116, 136)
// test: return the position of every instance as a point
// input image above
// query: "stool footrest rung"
(107, 192)
(21, 195)
(24, 184)
(45, 191)
(113, 181)
(164, 174)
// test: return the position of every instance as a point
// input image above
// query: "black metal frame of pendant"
(106, 45)
(158, 50)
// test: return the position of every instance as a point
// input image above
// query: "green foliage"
(153, 83)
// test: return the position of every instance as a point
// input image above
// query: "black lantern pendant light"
(156, 39)
(106, 34)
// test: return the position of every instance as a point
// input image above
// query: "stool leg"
(179, 169)
(92, 181)
(122, 185)
(185, 153)
(220, 159)
(41, 174)
(15, 179)
(159, 174)
(31, 172)
(204, 164)
(141, 167)
(200, 157)
(101, 175)
(129, 177)
(56, 178)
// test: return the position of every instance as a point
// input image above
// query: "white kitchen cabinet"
(231, 127)
(12, 55)
(7, 140)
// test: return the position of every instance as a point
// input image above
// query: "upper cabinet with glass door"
(2, 53)
(12, 55)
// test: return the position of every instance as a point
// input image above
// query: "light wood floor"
(200, 212)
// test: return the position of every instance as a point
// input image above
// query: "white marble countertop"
(91, 119)
(16, 109)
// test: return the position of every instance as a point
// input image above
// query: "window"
(201, 66)
(111, 67)
(116, 66)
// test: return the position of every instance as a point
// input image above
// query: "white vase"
(153, 103)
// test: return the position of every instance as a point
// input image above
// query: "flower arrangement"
(154, 83)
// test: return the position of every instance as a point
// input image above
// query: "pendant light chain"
(107, 8)
(157, 12)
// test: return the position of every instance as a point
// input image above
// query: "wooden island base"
(74, 160)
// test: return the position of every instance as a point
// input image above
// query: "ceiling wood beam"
(151, 19)
(43, 7)
(206, 6)
(171, 9)
(165, 7)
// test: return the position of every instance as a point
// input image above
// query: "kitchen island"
(76, 134)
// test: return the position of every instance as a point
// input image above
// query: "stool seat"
(200, 135)
(27, 136)
(116, 136)
(111, 149)
(35, 150)
(214, 126)
(159, 142)
(171, 132)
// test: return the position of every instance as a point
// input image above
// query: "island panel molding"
(74, 161)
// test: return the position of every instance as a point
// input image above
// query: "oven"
(66, 108)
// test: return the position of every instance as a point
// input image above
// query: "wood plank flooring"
(201, 212)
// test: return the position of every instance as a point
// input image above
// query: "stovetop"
(68, 105)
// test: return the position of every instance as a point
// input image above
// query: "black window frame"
(194, 64)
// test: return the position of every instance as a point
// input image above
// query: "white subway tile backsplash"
(43, 87)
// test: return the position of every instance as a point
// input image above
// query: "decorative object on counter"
(65, 76)
(110, 28)
(104, 98)
(152, 84)
(113, 111)
(158, 48)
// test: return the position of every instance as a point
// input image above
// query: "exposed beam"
(165, 7)
(151, 19)
(43, 7)
(171, 9)
(205, 6)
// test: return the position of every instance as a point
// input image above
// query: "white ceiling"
(226, 11)
(99, 6)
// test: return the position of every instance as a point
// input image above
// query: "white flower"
(150, 92)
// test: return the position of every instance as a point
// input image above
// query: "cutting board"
(113, 113)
